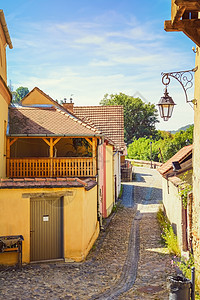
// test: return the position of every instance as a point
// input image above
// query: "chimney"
(68, 106)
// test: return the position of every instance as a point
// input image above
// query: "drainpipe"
(190, 201)
(99, 214)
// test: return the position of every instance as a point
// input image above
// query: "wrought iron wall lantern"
(166, 103)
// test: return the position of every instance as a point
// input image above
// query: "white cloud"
(89, 59)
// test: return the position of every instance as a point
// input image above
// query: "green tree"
(167, 145)
(139, 117)
(179, 140)
(20, 93)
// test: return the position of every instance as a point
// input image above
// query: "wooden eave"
(184, 17)
(5, 29)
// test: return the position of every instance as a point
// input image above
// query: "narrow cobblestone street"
(127, 261)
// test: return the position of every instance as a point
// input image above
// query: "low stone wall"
(150, 164)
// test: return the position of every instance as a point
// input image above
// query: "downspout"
(104, 181)
(99, 214)
(190, 236)
(114, 183)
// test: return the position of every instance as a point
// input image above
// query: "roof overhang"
(5, 29)
(184, 17)
(52, 135)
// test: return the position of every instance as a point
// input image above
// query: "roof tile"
(47, 120)
(179, 156)
(47, 182)
(108, 119)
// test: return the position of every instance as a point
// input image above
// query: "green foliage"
(162, 219)
(185, 188)
(185, 265)
(139, 117)
(164, 145)
(167, 234)
(19, 94)
(170, 240)
(141, 149)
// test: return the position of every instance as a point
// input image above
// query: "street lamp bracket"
(185, 78)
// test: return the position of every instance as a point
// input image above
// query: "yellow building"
(185, 17)
(5, 95)
(110, 122)
(50, 194)
(41, 196)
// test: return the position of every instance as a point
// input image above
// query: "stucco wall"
(4, 100)
(80, 223)
(36, 97)
(117, 171)
(3, 125)
(109, 179)
(196, 167)
(80, 228)
(173, 206)
(3, 67)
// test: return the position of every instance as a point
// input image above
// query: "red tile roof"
(108, 119)
(48, 120)
(46, 183)
(179, 156)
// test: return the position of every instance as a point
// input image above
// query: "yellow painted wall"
(79, 217)
(15, 220)
(3, 125)
(91, 225)
(196, 168)
(109, 179)
(3, 67)
(80, 223)
(36, 97)
(4, 100)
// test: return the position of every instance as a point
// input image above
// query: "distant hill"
(182, 128)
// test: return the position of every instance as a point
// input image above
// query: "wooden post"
(94, 155)
(8, 157)
(9, 143)
(51, 156)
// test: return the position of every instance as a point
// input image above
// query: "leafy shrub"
(167, 234)
(164, 145)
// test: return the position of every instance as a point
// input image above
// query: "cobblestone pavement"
(128, 247)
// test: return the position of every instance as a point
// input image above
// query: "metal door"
(46, 229)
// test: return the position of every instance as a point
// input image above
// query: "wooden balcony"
(51, 167)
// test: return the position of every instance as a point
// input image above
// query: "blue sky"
(89, 48)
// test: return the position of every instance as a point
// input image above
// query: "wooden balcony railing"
(51, 167)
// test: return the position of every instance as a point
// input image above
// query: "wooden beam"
(193, 33)
(7, 157)
(189, 4)
(94, 149)
(176, 11)
(89, 141)
(191, 28)
(46, 141)
(48, 194)
(56, 141)
(51, 148)
(13, 141)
